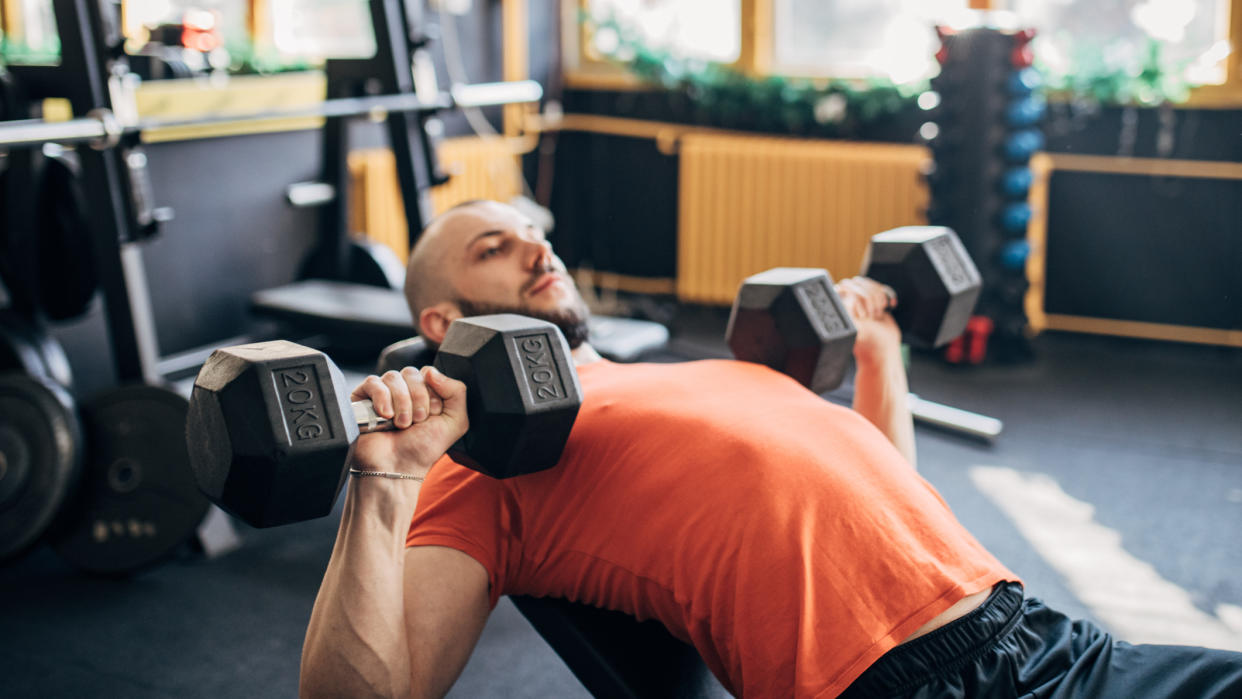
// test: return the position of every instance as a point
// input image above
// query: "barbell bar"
(103, 130)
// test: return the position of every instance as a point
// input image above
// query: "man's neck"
(585, 354)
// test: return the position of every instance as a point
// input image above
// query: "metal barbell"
(101, 128)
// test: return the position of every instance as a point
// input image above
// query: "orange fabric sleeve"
(464, 510)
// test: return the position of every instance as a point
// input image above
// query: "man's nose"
(539, 254)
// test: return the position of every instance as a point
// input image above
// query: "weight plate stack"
(40, 458)
(139, 501)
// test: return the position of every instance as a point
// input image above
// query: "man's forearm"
(882, 395)
(356, 642)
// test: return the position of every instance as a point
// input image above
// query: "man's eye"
(489, 252)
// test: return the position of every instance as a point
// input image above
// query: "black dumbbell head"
(523, 392)
(270, 430)
(792, 320)
(936, 282)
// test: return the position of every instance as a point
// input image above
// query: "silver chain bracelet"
(385, 474)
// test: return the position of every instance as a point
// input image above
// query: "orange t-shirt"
(781, 535)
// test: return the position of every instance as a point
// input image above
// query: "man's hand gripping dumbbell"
(271, 431)
(920, 283)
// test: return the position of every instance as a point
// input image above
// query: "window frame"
(582, 71)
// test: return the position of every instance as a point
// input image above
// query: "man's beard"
(572, 321)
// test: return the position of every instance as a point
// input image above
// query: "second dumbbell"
(791, 319)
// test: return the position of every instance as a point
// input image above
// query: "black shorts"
(1015, 647)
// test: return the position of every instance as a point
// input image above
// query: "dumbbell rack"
(982, 134)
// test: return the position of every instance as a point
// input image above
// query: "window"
(706, 29)
(1193, 35)
(289, 31)
(29, 31)
(318, 29)
(892, 39)
(146, 20)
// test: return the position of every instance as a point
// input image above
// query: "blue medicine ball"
(1015, 216)
(1022, 144)
(1013, 255)
(1016, 182)
(1025, 112)
(1024, 82)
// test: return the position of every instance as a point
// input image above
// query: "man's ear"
(435, 320)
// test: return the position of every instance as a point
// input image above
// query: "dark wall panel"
(233, 232)
(615, 201)
(1141, 248)
(1190, 134)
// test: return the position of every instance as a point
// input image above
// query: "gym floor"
(1115, 491)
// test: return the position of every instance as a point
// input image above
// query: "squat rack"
(93, 75)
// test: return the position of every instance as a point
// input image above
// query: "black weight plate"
(376, 264)
(40, 458)
(67, 272)
(139, 501)
(370, 263)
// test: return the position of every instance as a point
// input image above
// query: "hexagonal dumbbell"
(936, 282)
(791, 319)
(271, 428)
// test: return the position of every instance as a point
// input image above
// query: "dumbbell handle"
(368, 420)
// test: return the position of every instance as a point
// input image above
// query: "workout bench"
(344, 309)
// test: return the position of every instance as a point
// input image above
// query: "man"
(788, 539)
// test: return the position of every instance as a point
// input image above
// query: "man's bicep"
(446, 606)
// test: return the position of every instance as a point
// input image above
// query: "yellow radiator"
(480, 168)
(749, 203)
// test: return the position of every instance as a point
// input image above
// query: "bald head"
(483, 257)
(428, 280)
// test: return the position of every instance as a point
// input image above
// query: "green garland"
(719, 95)
(244, 57)
(1152, 82)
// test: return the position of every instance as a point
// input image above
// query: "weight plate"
(369, 263)
(139, 501)
(67, 271)
(40, 458)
